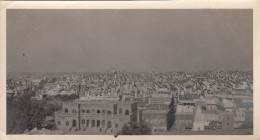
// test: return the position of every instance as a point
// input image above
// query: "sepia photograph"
(129, 72)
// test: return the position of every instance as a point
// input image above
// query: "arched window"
(88, 123)
(82, 111)
(98, 111)
(120, 111)
(83, 122)
(98, 123)
(74, 123)
(74, 111)
(109, 124)
(126, 112)
(103, 122)
(88, 111)
(109, 112)
(93, 123)
(66, 110)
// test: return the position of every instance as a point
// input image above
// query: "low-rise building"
(228, 120)
(239, 118)
(199, 120)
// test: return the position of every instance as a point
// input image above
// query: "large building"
(101, 115)
(183, 118)
(159, 115)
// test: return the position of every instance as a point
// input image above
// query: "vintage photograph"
(129, 72)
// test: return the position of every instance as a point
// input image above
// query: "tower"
(79, 90)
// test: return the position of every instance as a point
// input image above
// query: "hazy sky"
(129, 40)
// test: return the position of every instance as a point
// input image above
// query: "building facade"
(100, 115)
(159, 115)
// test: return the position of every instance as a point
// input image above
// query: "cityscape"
(129, 72)
(167, 103)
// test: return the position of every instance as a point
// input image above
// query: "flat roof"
(155, 111)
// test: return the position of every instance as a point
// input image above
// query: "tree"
(17, 114)
(133, 128)
(23, 113)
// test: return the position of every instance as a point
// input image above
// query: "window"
(66, 110)
(109, 124)
(116, 125)
(74, 123)
(93, 123)
(67, 123)
(103, 111)
(88, 111)
(120, 111)
(126, 112)
(74, 111)
(83, 122)
(58, 123)
(88, 123)
(103, 122)
(109, 112)
(83, 111)
(98, 123)
(98, 111)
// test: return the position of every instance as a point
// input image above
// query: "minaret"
(79, 90)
